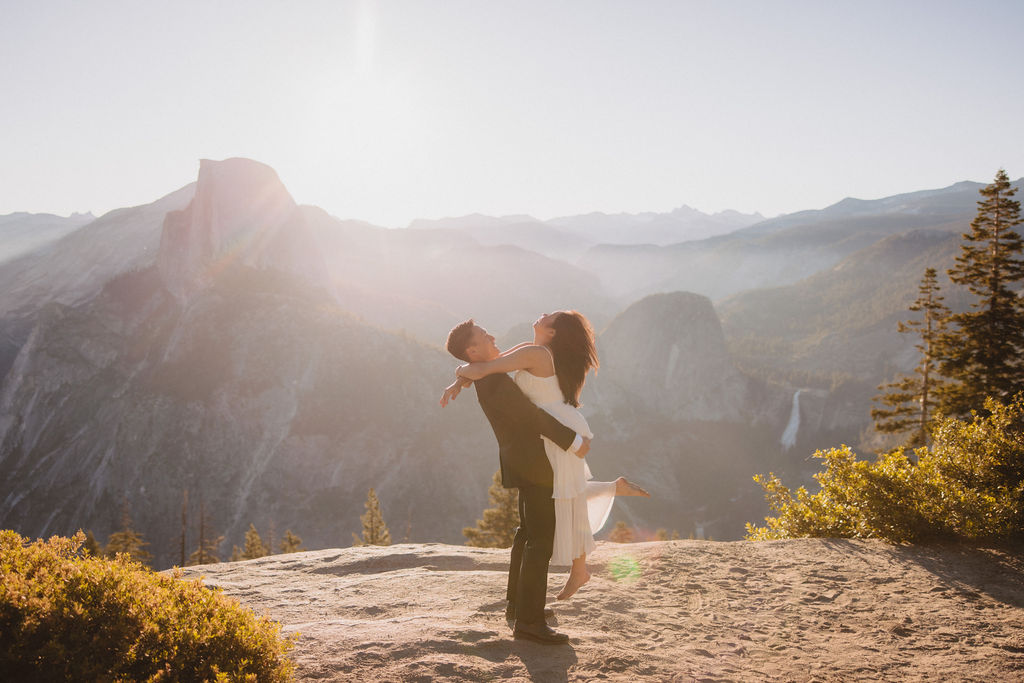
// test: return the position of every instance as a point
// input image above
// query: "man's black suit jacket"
(518, 425)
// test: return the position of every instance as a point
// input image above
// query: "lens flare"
(624, 568)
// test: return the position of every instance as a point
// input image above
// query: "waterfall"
(788, 439)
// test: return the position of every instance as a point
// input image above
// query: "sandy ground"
(803, 610)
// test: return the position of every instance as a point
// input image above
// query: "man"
(518, 426)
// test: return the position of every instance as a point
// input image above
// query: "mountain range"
(276, 362)
(21, 233)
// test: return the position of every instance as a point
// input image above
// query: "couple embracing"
(542, 442)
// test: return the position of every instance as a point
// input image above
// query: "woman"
(551, 372)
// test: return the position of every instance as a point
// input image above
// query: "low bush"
(968, 486)
(66, 615)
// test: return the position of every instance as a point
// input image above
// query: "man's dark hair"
(458, 339)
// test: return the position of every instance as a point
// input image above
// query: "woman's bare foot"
(573, 584)
(624, 487)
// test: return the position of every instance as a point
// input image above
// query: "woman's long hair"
(574, 353)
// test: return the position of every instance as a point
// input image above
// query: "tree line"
(132, 543)
(128, 541)
(496, 529)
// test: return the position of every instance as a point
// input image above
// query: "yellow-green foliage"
(65, 615)
(970, 485)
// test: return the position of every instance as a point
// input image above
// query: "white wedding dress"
(582, 505)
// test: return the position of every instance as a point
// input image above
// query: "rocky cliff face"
(666, 355)
(241, 215)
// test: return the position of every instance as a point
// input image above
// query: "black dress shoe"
(539, 633)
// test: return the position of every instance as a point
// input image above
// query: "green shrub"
(66, 615)
(968, 486)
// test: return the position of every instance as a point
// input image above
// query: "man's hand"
(450, 392)
(453, 389)
(582, 451)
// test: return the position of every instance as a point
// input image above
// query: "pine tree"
(982, 354)
(206, 551)
(911, 399)
(621, 533)
(91, 546)
(127, 540)
(498, 527)
(184, 524)
(375, 531)
(290, 543)
(254, 545)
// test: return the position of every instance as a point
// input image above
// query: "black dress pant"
(531, 553)
(516, 561)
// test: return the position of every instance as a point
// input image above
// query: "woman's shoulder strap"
(551, 353)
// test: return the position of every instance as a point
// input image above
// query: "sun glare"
(360, 121)
(365, 37)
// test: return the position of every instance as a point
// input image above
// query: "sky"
(392, 110)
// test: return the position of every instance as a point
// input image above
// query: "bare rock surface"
(804, 610)
(666, 355)
(241, 213)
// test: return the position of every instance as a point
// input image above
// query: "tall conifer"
(254, 545)
(498, 526)
(91, 545)
(375, 531)
(290, 543)
(982, 354)
(127, 540)
(184, 524)
(206, 551)
(911, 400)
